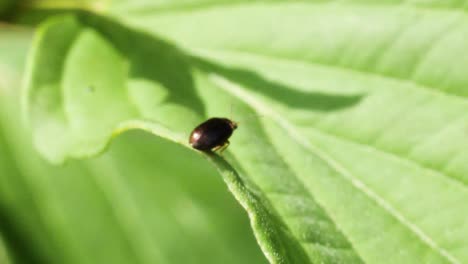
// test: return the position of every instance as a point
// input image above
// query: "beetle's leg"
(221, 148)
(224, 147)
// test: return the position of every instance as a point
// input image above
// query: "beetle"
(213, 134)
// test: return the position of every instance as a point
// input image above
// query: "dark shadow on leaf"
(17, 240)
(20, 247)
(277, 91)
(151, 59)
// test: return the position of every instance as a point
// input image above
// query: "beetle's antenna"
(253, 116)
(230, 114)
(246, 117)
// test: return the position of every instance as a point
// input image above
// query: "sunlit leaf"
(133, 204)
(352, 142)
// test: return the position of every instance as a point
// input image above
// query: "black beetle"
(213, 134)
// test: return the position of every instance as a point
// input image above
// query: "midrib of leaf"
(405, 160)
(291, 130)
(430, 90)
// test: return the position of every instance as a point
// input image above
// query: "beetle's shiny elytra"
(213, 134)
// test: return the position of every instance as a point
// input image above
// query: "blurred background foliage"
(356, 149)
(144, 201)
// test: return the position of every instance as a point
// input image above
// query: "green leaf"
(352, 142)
(4, 258)
(5, 5)
(133, 204)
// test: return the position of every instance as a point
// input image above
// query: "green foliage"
(5, 5)
(4, 258)
(145, 200)
(351, 146)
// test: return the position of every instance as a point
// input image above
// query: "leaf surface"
(133, 204)
(352, 130)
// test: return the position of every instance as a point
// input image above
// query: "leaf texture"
(352, 130)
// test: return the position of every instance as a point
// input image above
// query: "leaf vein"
(338, 167)
(431, 89)
(417, 163)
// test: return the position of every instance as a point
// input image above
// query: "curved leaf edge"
(266, 226)
(268, 229)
